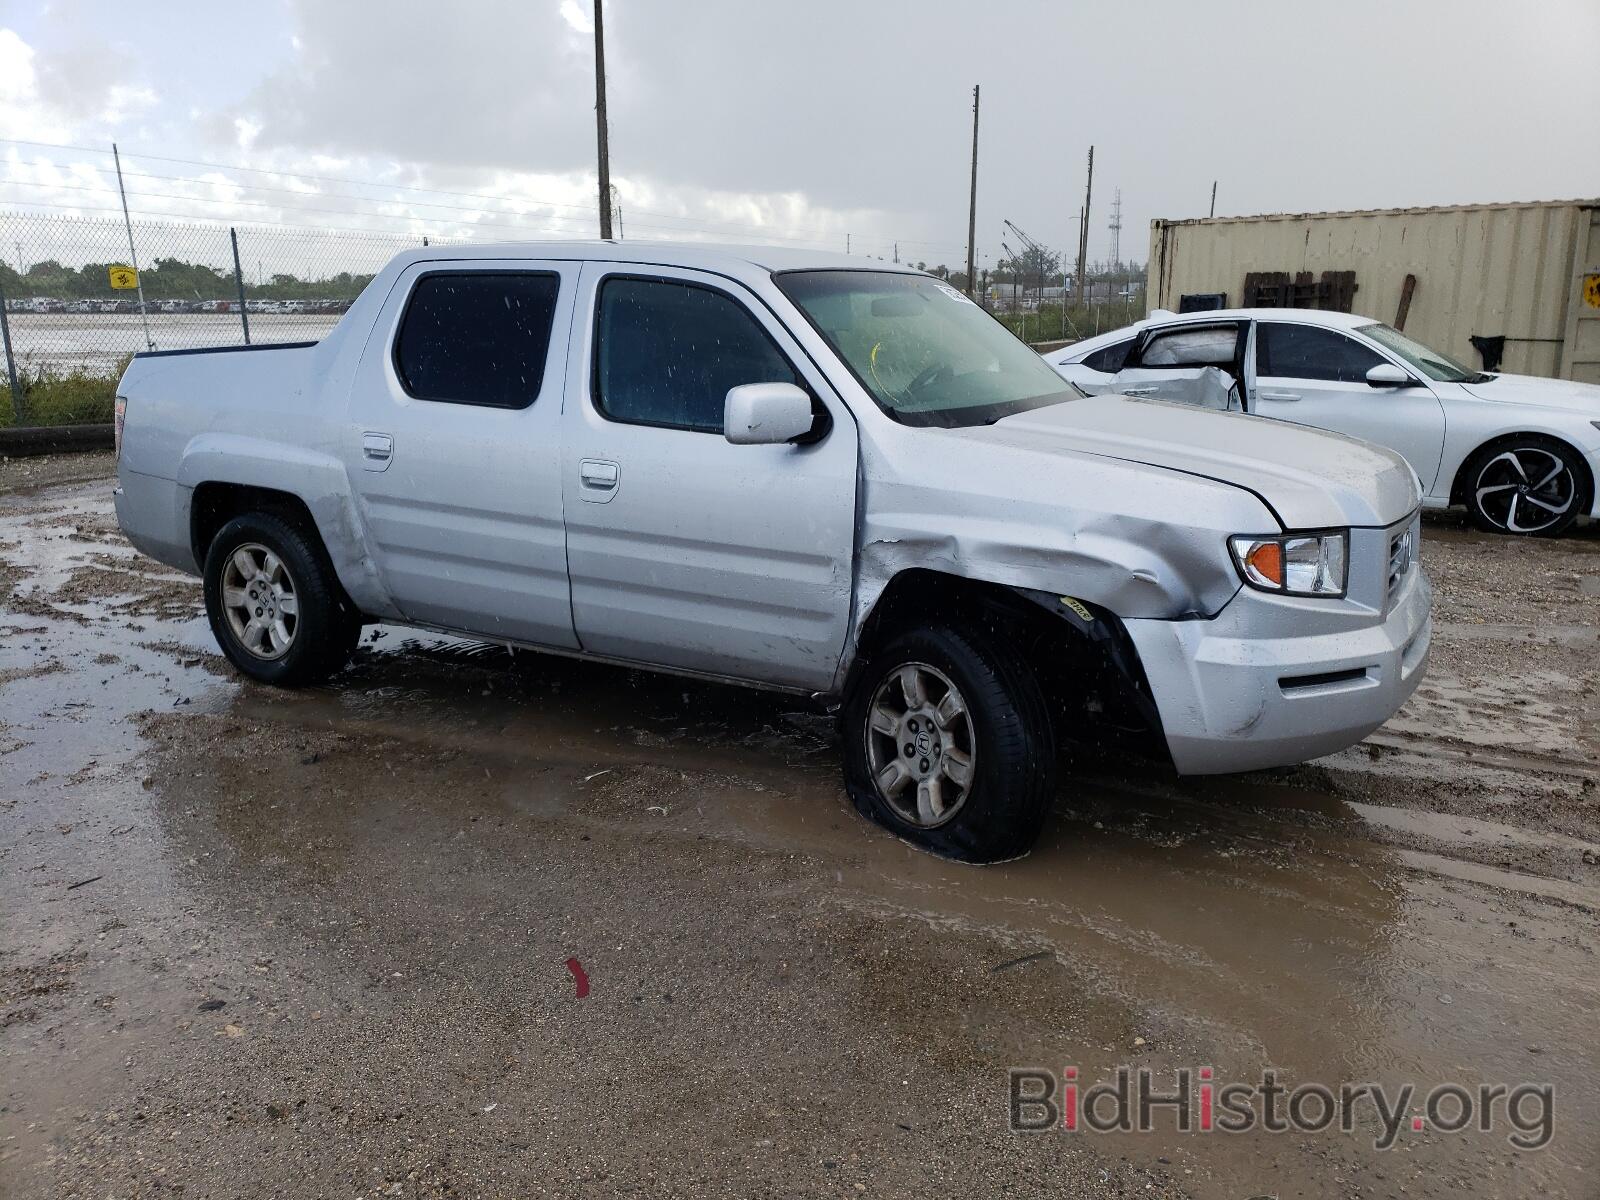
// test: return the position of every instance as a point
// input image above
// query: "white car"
(1521, 453)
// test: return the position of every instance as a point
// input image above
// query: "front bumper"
(1271, 681)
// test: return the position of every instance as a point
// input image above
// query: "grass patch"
(60, 398)
(1046, 325)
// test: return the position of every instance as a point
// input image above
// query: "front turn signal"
(1295, 564)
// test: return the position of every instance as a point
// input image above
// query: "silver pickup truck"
(795, 471)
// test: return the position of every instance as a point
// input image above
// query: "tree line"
(171, 279)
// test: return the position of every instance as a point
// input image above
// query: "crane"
(1039, 252)
(1042, 255)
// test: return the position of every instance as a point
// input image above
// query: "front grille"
(1402, 553)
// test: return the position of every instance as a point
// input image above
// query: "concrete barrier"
(30, 440)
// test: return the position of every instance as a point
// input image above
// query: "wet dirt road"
(256, 943)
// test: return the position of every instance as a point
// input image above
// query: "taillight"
(120, 414)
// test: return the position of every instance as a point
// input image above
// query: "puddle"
(405, 851)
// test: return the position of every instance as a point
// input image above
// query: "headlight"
(1295, 564)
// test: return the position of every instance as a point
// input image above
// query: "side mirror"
(766, 414)
(1387, 375)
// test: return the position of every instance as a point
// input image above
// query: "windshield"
(926, 353)
(1436, 366)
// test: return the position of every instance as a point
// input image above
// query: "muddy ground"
(256, 943)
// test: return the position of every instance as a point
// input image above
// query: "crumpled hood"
(1310, 478)
(1581, 398)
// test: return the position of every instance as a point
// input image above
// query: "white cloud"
(124, 101)
(23, 115)
(17, 79)
(762, 122)
(577, 16)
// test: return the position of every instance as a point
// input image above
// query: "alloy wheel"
(260, 601)
(921, 746)
(1525, 489)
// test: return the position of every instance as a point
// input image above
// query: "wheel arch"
(311, 485)
(1086, 661)
(1461, 485)
(216, 502)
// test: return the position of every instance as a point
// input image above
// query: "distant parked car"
(1522, 454)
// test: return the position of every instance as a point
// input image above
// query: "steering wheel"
(928, 376)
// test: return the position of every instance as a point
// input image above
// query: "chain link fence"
(73, 315)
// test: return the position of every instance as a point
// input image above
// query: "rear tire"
(275, 606)
(948, 744)
(1528, 487)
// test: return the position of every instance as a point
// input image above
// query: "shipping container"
(1510, 287)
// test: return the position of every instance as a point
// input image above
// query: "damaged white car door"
(685, 549)
(1201, 365)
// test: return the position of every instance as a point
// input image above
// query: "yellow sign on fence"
(124, 278)
(1591, 290)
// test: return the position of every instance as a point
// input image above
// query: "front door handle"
(377, 449)
(1278, 395)
(598, 479)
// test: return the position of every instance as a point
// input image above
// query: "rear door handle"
(377, 449)
(1278, 395)
(598, 479)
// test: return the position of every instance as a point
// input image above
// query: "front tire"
(1530, 487)
(275, 606)
(949, 744)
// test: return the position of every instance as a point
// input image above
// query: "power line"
(477, 224)
(305, 195)
(403, 187)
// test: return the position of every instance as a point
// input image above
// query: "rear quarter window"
(1109, 359)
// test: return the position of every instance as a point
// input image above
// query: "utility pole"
(1083, 232)
(600, 122)
(972, 203)
(1213, 197)
(133, 254)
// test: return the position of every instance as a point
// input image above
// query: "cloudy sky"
(753, 120)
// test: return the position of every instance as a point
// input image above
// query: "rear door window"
(477, 337)
(1285, 351)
